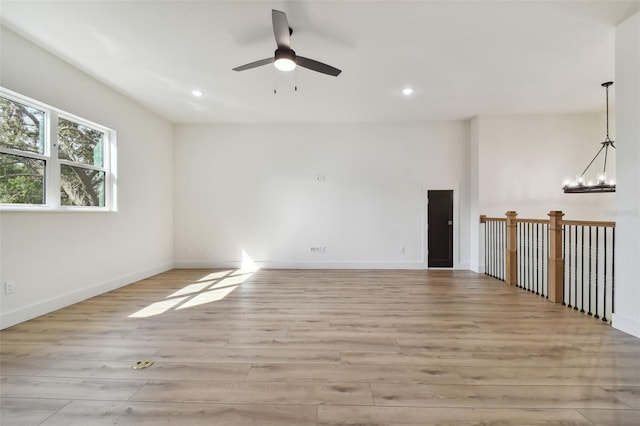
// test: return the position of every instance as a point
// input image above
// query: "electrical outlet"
(318, 249)
(9, 287)
(402, 250)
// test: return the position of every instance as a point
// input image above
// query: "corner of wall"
(628, 325)
(25, 313)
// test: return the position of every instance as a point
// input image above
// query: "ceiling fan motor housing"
(282, 53)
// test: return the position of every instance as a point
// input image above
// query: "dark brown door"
(440, 223)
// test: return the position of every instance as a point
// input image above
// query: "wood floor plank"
(329, 347)
(68, 388)
(352, 373)
(601, 417)
(490, 359)
(259, 355)
(481, 396)
(28, 411)
(161, 370)
(363, 343)
(256, 392)
(144, 340)
(630, 395)
(77, 352)
(107, 413)
(550, 375)
(481, 345)
(21, 366)
(412, 416)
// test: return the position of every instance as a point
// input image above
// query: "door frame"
(456, 224)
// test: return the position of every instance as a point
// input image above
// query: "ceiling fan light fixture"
(285, 64)
(285, 60)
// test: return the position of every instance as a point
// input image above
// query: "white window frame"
(53, 163)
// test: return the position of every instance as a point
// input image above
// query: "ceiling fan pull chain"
(296, 77)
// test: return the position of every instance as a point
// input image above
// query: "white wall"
(627, 296)
(56, 259)
(255, 188)
(476, 251)
(523, 161)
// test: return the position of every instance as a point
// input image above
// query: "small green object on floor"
(143, 363)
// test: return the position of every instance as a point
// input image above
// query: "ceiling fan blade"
(317, 66)
(281, 29)
(255, 64)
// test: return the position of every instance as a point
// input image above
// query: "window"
(69, 170)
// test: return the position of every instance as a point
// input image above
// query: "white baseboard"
(476, 267)
(190, 264)
(462, 267)
(300, 265)
(628, 325)
(8, 319)
(308, 265)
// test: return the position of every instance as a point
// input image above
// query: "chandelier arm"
(606, 152)
(591, 162)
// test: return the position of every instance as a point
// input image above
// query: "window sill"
(45, 209)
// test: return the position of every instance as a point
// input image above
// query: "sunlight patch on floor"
(215, 275)
(208, 297)
(231, 281)
(192, 288)
(210, 288)
(158, 308)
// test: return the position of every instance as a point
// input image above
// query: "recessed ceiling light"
(407, 91)
(196, 93)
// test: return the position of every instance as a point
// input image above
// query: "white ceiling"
(463, 58)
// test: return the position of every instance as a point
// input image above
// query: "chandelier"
(601, 185)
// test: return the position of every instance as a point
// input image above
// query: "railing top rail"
(602, 223)
(484, 219)
(605, 224)
(544, 221)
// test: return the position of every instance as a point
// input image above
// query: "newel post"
(511, 253)
(556, 262)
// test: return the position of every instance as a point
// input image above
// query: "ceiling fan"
(285, 59)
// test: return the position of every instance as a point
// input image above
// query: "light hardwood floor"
(318, 348)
